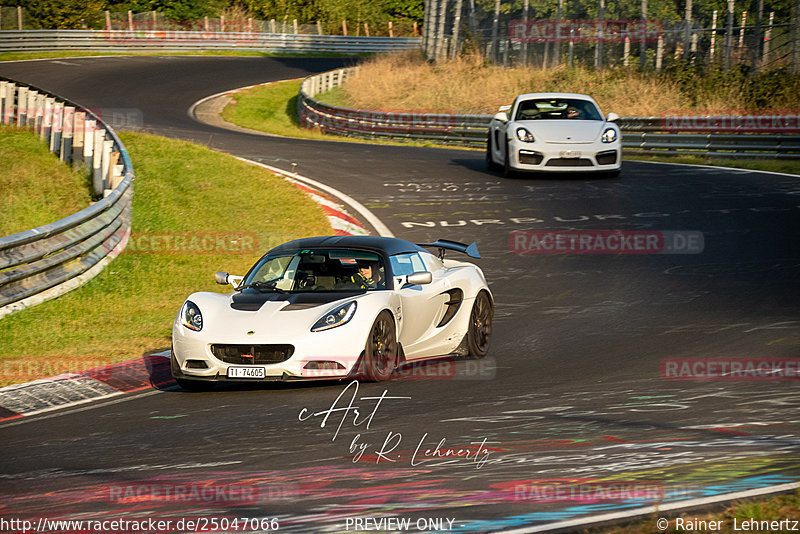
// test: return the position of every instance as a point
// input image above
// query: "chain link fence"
(17, 18)
(522, 34)
(14, 18)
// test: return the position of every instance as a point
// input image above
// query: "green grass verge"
(788, 166)
(272, 109)
(769, 509)
(181, 189)
(35, 187)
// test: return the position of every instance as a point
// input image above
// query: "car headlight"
(609, 136)
(191, 317)
(524, 135)
(336, 317)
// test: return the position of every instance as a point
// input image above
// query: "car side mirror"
(501, 116)
(420, 278)
(612, 117)
(222, 278)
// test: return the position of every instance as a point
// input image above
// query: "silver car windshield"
(318, 270)
(557, 109)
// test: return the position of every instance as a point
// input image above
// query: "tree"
(63, 14)
(411, 10)
(175, 10)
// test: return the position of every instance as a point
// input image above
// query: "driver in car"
(574, 113)
(366, 277)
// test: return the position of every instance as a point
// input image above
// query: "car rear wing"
(470, 250)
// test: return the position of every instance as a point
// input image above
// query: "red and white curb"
(70, 389)
(342, 222)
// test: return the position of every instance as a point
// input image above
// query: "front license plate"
(570, 154)
(246, 372)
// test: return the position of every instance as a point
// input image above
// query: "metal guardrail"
(125, 40)
(641, 135)
(50, 260)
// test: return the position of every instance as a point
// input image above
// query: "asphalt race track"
(576, 388)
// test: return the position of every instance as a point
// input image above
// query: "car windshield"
(317, 270)
(557, 108)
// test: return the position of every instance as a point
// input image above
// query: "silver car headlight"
(609, 136)
(336, 317)
(191, 317)
(524, 135)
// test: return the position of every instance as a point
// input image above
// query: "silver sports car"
(554, 132)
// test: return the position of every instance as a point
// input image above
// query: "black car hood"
(252, 299)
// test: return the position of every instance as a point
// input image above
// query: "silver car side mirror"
(501, 116)
(420, 278)
(612, 117)
(221, 277)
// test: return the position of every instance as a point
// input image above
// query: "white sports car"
(331, 308)
(554, 132)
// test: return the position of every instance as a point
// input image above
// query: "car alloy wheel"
(380, 353)
(480, 326)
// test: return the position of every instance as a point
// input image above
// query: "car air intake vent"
(301, 306)
(606, 158)
(569, 162)
(455, 297)
(527, 157)
(252, 354)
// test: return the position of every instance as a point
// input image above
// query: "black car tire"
(490, 164)
(508, 172)
(381, 350)
(480, 326)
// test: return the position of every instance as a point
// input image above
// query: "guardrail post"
(3, 101)
(78, 137)
(30, 118)
(8, 92)
(56, 128)
(47, 118)
(65, 151)
(88, 145)
(97, 161)
(38, 113)
(115, 171)
(22, 107)
(11, 107)
(105, 165)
